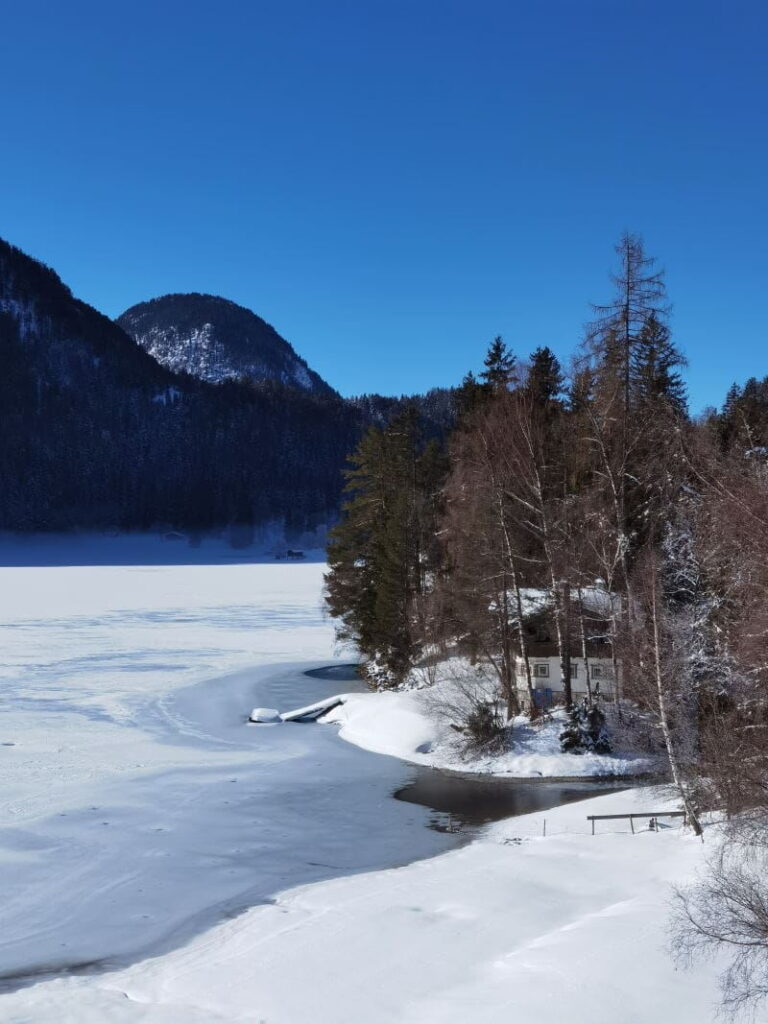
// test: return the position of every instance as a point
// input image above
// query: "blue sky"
(393, 182)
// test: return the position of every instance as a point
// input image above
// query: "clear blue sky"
(393, 182)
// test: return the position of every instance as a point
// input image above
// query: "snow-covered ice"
(136, 803)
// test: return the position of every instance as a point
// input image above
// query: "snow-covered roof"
(596, 600)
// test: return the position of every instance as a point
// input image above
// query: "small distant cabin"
(290, 553)
(592, 665)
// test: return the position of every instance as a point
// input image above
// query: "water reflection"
(466, 801)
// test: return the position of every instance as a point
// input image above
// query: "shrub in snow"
(378, 675)
(484, 729)
(468, 700)
(597, 731)
(585, 731)
(572, 736)
(635, 731)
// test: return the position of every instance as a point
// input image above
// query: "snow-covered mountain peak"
(215, 340)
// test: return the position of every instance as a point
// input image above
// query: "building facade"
(595, 675)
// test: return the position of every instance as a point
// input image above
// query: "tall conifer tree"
(381, 551)
(656, 376)
(500, 366)
(545, 377)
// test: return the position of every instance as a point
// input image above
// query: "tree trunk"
(508, 681)
(515, 578)
(584, 655)
(565, 653)
(523, 641)
(664, 719)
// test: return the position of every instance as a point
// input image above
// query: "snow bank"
(386, 723)
(407, 725)
(265, 716)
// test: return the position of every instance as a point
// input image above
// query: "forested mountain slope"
(95, 432)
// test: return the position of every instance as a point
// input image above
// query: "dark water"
(338, 673)
(463, 802)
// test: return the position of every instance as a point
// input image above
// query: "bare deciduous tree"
(727, 912)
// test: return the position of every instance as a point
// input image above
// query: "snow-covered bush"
(586, 730)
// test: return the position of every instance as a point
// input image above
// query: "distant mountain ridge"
(214, 339)
(96, 433)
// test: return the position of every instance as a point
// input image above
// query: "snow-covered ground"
(413, 725)
(140, 812)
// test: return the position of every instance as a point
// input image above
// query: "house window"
(541, 670)
(574, 671)
(601, 672)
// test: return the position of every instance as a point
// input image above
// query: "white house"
(592, 609)
(547, 676)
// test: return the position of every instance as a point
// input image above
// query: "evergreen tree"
(743, 422)
(572, 736)
(381, 550)
(469, 396)
(545, 377)
(731, 400)
(655, 368)
(586, 730)
(500, 367)
(581, 389)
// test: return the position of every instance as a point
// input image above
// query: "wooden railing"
(646, 814)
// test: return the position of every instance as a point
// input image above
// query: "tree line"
(569, 479)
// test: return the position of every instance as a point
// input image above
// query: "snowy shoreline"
(404, 724)
(232, 822)
(501, 925)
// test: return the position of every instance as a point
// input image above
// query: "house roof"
(595, 599)
(548, 649)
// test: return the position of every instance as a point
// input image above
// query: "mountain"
(214, 339)
(95, 433)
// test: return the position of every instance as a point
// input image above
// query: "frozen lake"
(137, 806)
